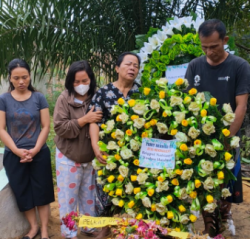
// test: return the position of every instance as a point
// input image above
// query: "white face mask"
(82, 89)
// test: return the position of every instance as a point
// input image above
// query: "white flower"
(154, 104)
(225, 193)
(192, 152)
(111, 166)
(187, 21)
(176, 23)
(140, 108)
(181, 137)
(167, 30)
(187, 174)
(175, 100)
(193, 132)
(146, 202)
(162, 128)
(228, 119)
(209, 149)
(208, 128)
(200, 96)
(207, 166)
(227, 108)
(115, 201)
(96, 164)
(126, 153)
(208, 184)
(171, 173)
(119, 134)
(234, 143)
(194, 107)
(139, 123)
(162, 82)
(183, 194)
(141, 178)
(162, 186)
(210, 207)
(110, 125)
(101, 134)
(161, 35)
(129, 188)
(185, 84)
(143, 56)
(135, 145)
(112, 145)
(230, 164)
(155, 171)
(154, 41)
(160, 208)
(197, 23)
(100, 181)
(115, 109)
(148, 48)
(184, 219)
(123, 170)
(164, 221)
(131, 212)
(123, 117)
(179, 116)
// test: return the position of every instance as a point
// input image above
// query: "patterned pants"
(76, 189)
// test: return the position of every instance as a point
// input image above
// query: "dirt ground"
(241, 216)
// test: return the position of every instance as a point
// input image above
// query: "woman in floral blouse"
(127, 68)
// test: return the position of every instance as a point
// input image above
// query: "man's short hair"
(210, 26)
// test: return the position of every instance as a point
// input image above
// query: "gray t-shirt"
(23, 118)
(224, 81)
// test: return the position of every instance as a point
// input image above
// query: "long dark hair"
(70, 78)
(15, 63)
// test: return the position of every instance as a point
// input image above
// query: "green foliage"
(245, 147)
(51, 144)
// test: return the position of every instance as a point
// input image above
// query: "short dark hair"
(70, 78)
(15, 63)
(121, 57)
(210, 26)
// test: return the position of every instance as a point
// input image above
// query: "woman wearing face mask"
(75, 175)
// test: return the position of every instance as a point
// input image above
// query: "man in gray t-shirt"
(227, 78)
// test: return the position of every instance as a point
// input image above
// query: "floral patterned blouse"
(107, 96)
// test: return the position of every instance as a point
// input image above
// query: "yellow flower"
(188, 161)
(147, 125)
(138, 170)
(121, 203)
(183, 147)
(184, 122)
(226, 132)
(220, 175)
(170, 214)
(139, 216)
(179, 81)
(117, 157)
(175, 182)
(133, 178)
(121, 143)
(118, 119)
(151, 192)
(209, 198)
(203, 113)
(170, 198)
(178, 171)
(103, 126)
(111, 193)
(99, 173)
(111, 178)
(144, 135)
(131, 204)
(227, 156)
(153, 208)
(193, 194)
(104, 156)
(182, 208)
(131, 102)
(162, 94)
(197, 183)
(121, 101)
(173, 132)
(164, 114)
(120, 178)
(105, 190)
(136, 162)
(177, 229)
(153, 122)
(157, 222)
(137, 190)
(197, 142)
(129, 132)
(118, 192)
(213, 101)
(187, 100)
(113, 135)
(192, 91)
(192, 218)
(146, 90)
(133, 117)
(160, 178)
